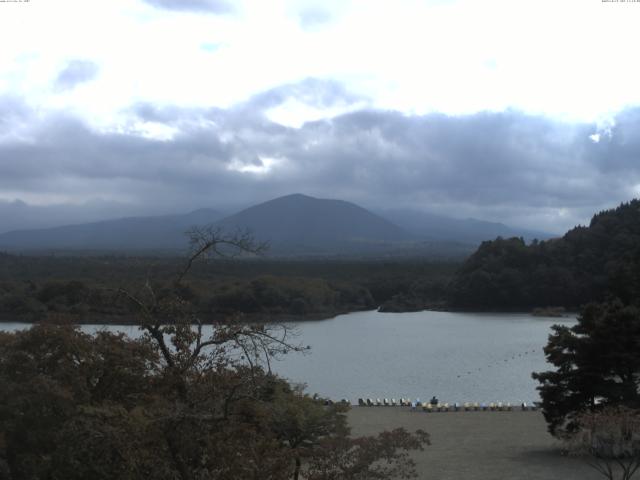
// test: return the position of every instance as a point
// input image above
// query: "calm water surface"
(456, 356)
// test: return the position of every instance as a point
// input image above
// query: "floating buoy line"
(523, 354)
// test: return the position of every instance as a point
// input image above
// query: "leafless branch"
(207, 241)
(169, 317)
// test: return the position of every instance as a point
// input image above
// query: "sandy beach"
(478, 445)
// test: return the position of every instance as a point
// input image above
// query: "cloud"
(75, 73)
(13, 114)
(210, 47)
(206, 6)
(312, 91)
(307, 100)
(314, 17)
(521, 169)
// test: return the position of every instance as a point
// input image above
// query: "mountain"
(293, 225)
(439, 228)
(164, 232)
(302, 224)
(586, 264)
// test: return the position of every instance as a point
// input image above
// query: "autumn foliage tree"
(184, 401)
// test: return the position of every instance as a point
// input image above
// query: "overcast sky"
(520, 111)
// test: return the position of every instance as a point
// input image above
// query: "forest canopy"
(587, 264)
(34, 288)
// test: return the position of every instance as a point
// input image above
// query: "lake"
(458, 357)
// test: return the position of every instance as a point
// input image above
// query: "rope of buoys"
(504, 360)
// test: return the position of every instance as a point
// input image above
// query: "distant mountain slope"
(131, 233)
(470, 230)
(293, 225)
(299, 223)
(586, 264)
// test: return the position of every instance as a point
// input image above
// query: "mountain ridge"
(135, 233)
(294, 224)
(470, 230)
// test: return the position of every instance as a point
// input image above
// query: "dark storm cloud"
(75, 73)
(497, 165)
(619, 145)
(208, 6)
(508, 166)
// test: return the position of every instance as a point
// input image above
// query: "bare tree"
(210, 241)
(193, 357)
(170, 320)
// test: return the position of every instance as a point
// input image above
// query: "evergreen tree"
(597, 364)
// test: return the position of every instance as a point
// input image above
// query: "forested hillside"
(586, 264)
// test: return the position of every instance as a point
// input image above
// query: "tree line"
(34, 288)
(587, 264)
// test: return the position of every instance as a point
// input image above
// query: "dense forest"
(587, 264)
(34, 288)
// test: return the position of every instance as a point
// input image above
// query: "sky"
(520, 111)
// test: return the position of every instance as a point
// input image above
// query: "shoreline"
(246, 318)
(276, 318)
